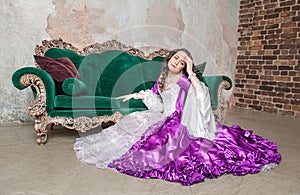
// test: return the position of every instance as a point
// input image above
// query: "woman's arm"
(197, 115)
(150, 98)
(125, 98)
(194, 80)
(141, 94)
(152, 101)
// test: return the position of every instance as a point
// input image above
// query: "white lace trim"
(268, 167)
(102, 148)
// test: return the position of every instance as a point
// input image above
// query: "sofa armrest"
(214, 83)
(73, 86)
(43, 87)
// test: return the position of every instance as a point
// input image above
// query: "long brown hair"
(165, 69)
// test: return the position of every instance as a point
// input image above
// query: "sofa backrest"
(59, 53)
(112, 73)
(100, 67)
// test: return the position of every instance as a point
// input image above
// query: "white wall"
(22, 25)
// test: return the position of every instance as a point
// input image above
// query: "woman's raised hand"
(189, 65)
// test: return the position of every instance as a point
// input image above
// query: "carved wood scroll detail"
(98, 48)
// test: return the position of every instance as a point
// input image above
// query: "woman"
(177, 138)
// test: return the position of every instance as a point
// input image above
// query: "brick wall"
(267, 73)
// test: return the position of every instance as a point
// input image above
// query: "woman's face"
(177, 62)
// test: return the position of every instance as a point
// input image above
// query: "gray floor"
(27, 168)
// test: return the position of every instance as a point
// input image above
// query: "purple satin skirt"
(167, 151)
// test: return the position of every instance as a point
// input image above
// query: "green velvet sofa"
(106, 70)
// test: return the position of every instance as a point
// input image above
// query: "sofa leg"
(50, 126)
(41, 130)
(42, 139)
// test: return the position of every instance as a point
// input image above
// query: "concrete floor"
(27, 168)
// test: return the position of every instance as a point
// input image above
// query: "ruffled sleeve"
(197, 115)
(152, 101)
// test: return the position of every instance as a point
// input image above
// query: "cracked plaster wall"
(208, 28)
(22, 27)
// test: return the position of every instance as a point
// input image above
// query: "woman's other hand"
(189, 65)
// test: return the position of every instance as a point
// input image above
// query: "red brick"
(296, 107)
(297, 85)
(296, 79)
(295, 90)
(247, 96)
(283, 89)
(295, 102)
(238, 95)
(282, 78)
(289, 24)
(241, 105)
(268, 109)
(287, 3)
(272, 5)
(296, 96)
(280, 94)
(270, 78)
(255, 107)
(287, 14)
(268, 93)
(288, 113)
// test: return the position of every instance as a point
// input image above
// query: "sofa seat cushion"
(94, 102)
(91, 113)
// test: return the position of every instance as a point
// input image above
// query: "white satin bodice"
(169, 98)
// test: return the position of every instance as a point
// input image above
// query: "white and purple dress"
(177, 140)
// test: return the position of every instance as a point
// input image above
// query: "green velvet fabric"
(91, 113)
(213, 82)
(73, 86)
(94, 102)
(133, 103)
(59, 53)
(114, 73)
(85, 102)
(151, 70)
(105, 72)
(45, 77)
(122, 75)
(199, 69)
